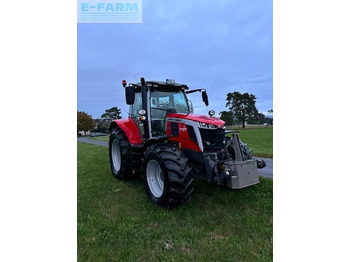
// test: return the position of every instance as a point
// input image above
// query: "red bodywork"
(200, 118)
(132, 132)
(184, 139)
(130, 129)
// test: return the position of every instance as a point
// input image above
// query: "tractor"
(168, 145)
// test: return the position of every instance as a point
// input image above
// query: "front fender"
(129, 128)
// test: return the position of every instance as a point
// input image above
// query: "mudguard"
(129, 128)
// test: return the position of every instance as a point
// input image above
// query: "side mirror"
(205, 98)
(129, 95)
(190, 106)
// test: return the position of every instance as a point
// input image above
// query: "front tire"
(167, 175)
(118, 154)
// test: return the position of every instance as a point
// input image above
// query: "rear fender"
(129, 128)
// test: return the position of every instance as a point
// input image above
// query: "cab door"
(159, 105)
(135, 116)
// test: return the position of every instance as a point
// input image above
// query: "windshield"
(161, 99)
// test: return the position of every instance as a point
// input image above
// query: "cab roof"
(162, 84)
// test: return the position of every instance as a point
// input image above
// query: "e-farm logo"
(109, 11)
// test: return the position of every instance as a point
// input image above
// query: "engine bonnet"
(200, 118)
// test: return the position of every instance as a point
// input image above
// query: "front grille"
(212, 139)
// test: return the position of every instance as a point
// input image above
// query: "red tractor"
(169, 145)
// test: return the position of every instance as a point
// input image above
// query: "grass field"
(259, 140)
(117, 222)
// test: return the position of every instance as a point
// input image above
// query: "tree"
(271, 119)
(258, 120)
(268, 120)
(109, 115)
(102, 125)
(112, 113)
(227, 116)
(242, 106)
(84, 122)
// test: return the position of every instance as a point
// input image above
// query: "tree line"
(85, 122)
(241, 110)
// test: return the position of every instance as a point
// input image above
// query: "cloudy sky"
(223, 46)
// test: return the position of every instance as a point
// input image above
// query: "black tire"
(117, 139)
(176, 173)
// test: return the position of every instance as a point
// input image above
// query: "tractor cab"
(151, 101)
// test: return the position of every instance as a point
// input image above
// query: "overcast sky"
(223, 46)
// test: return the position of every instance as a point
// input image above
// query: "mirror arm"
(195, 90)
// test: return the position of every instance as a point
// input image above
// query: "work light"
(211, 112)
(170, 81)
(141, 112)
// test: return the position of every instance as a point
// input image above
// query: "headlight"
(204, 125)
(207, 126)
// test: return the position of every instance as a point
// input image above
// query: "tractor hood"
(200, 118)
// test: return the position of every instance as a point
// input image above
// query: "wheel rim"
(116, 156)
(155, 178)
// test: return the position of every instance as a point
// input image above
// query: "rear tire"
(118, 154)
(168, 176)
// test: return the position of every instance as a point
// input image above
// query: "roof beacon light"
(124, 83)
(170, 81)
(211, 112)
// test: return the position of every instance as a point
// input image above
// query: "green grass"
(259, 140)
(100, 138)
(117, 222)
